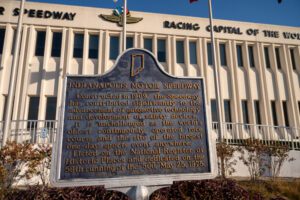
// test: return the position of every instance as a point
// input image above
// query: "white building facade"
(258, 64)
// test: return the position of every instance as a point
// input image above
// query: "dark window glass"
(161, 50)
(299, 107)
(93, 46)
(33, 108)
(223, 58)
(274, 113)
(51, 108)
(245, 112)
(209, 53)
(292, 53)
(40, 43)
(214, 110)
(33, 111)
(2, 35)
(257, 112)
(277, 52)
(78, 45)
(285, 112)
(4, 108)
(227, 110)
(267, 57)
(114, 47)
(193, 52)
(179, 51)
(14, 41)
(56, 44)
(148, 44)
(239, 54)
(251, 56)
(129, 42)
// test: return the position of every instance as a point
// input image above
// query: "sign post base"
(138, 193)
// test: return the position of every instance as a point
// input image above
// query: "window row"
(245, 112)
(93, 49)
(51, 105)
(33, 109)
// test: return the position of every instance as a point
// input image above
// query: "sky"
(258, 11)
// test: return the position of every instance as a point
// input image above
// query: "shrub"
(23, 160)
(280, 154)
(13, 159)
(225, 154)
(205, 189)
(39, 163)
(252, 155)
(78, 193)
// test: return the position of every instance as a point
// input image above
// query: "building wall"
(43, 76)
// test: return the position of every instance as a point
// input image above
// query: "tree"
(13, 160)
(39, 164)
(279, 154)
(225, 154)
(252, 155)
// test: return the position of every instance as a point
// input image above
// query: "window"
(93, 46)
(245, 112)
(51, 111)
(193, 52)
(129, 42)
(14, 41)
(51, 108)
(292, 53)
(277, 53)
(274, 113)
(257, 112)
(4, 108)
(299, 107)
(40, 43)
(114, 47)
(223, 58)
(56, 44)
(285, 113)
(33, 111)
(251, 56)
(2, 35)
(267, 57)
(209, 54)
(179, 51)
(161, 50)
(227, 110)
(148, 44)
(78, 45)
(214, 110)
(239, 54)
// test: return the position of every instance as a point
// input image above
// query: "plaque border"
(132, 180)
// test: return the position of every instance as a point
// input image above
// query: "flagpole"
(124, 25)
(216, 74)
(13, 76)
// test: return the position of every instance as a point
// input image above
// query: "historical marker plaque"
(134, 125)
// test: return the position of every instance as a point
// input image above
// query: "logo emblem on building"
(117, 17)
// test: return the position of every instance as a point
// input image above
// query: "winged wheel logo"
(117, 17)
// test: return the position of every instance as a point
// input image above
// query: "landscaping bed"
(215, 189)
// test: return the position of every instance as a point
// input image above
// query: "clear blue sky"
(259, 11)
